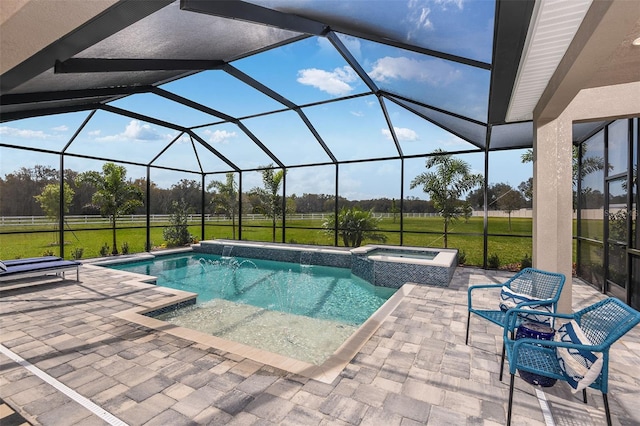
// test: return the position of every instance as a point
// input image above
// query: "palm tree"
(226, 198)
(579, 171)
(114, 195)
(590, 164)
(446, 185)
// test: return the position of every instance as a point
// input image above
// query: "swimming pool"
(321, 292)
(300, 311)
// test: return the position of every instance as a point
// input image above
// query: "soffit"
(571, 46)
(553, 26)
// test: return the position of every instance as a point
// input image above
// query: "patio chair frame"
(550, 293)
(614, 318)
(38, 268)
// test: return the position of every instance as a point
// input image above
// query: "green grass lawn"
(465, 236)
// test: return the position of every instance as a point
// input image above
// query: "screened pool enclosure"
(336, 104)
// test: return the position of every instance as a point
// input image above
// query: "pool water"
(302, 312)
(320, 292)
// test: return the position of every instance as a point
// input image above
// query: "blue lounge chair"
(30, 260)
(23, 268)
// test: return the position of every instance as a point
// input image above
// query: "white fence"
(212, 218)
(140, 219)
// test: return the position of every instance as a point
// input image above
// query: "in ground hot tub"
(392, 266)
(386, 266)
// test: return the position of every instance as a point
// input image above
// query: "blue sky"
(305, 72)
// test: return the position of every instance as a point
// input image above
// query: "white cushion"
(510, 299)
(580, 367)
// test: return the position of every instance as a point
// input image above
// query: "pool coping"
(326, 372)
(443, 258)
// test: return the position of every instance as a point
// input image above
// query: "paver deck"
(415, 369)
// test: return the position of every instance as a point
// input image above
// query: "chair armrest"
(475, 287)
(536, 344)
(555, 344)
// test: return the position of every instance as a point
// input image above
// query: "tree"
(476, 198)
(579, 170)
(18, 189)
(445, 186)
(509, 200)
(589, 164)
(526, 188)
(49, 200)
(591, 199)
(178, 233)
(271, 200)
(188, 191)
(467, 211)
(394, 209)
(355, 225)
(225, 198)
(114, 195)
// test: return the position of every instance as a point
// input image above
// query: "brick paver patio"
(415, 369)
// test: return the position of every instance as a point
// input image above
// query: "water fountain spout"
(226, 251)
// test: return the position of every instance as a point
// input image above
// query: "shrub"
(48, 253)
(125, 248)
(493, 261)
(76, 253)
(525, 262)
(354, 226)
(462, 257)
(178, 233)
(104, 250)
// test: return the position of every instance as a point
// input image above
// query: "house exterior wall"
(552, 204)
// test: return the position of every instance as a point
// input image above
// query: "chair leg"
(502, 361)
(584, 395)
(606, 408)
(510, 400)
(466, 342)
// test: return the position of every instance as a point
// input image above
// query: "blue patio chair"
(530, 289)
(599, 326)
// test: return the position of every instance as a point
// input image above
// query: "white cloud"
(300, 181)
(219, 136)
(357, 113)
(453, 141)
(61, 128)
(419, 15)
(135, 130)
(434, 72)
(23, 133)
(423, 19)
(334, 82)
(184, 139)
(138, 131)
(403, 134)
(325, 45)
(353, 45)
(444, 4)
